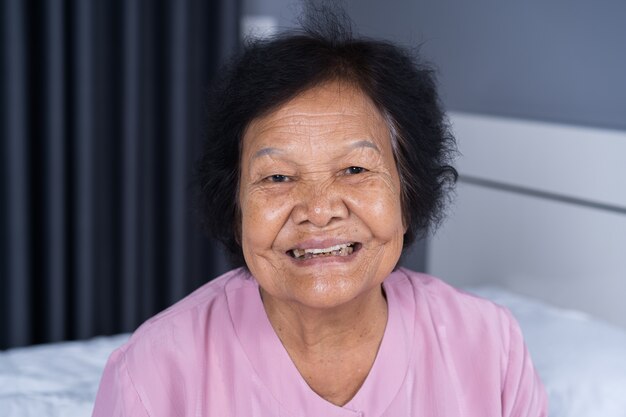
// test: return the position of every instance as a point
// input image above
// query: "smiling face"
(319, 197)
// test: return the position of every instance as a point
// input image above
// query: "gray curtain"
(101, 118)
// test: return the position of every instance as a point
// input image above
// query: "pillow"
(581, 360)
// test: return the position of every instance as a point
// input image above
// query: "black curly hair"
(269, 72)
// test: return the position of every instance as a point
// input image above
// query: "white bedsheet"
(53, 380)
(581, 361)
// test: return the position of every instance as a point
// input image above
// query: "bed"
(57, 379)
(581, 360)
(534, 228)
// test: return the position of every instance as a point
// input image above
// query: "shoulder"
(476, 340)
(183, 329)
(443, 295)
(201, 301)
(159, 363)
(462, 314)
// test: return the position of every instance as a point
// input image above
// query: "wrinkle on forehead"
(312, 122)
(339, 112)
(306, 105)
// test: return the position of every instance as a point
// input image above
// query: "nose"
(319, 205)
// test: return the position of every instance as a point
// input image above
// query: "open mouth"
(344, 249)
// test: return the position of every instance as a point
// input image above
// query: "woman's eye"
(355, 170)
(277, 178)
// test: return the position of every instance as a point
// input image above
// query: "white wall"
(551, 220)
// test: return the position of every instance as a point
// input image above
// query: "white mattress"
(581, 361)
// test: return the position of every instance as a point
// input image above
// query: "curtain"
(101, 118)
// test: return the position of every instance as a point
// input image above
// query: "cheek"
(379, 206)
(387, 219)
(262, 220)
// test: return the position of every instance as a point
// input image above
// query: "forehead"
(332, 111)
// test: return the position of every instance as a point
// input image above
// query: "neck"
(311, 331)
(332, 348)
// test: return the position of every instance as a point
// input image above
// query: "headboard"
(541, 210)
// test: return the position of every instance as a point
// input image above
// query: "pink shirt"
(444, 353)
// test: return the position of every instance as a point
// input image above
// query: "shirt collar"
(277, 372)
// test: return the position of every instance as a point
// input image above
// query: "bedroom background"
(102, 116)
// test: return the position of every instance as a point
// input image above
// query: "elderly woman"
(326, 156)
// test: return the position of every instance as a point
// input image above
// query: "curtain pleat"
(131, 162)
(147, 193)
(16, 178)
(102, 119)
(54, 248)
(82, 215)
(177, 43)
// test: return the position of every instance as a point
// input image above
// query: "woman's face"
(320, 199)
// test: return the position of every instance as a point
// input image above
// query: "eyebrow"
(364, 144)
(266, 151)
(359, 144)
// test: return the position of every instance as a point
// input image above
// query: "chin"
(329, 293)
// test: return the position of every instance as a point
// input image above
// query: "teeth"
(332, 248)
(337, 250)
